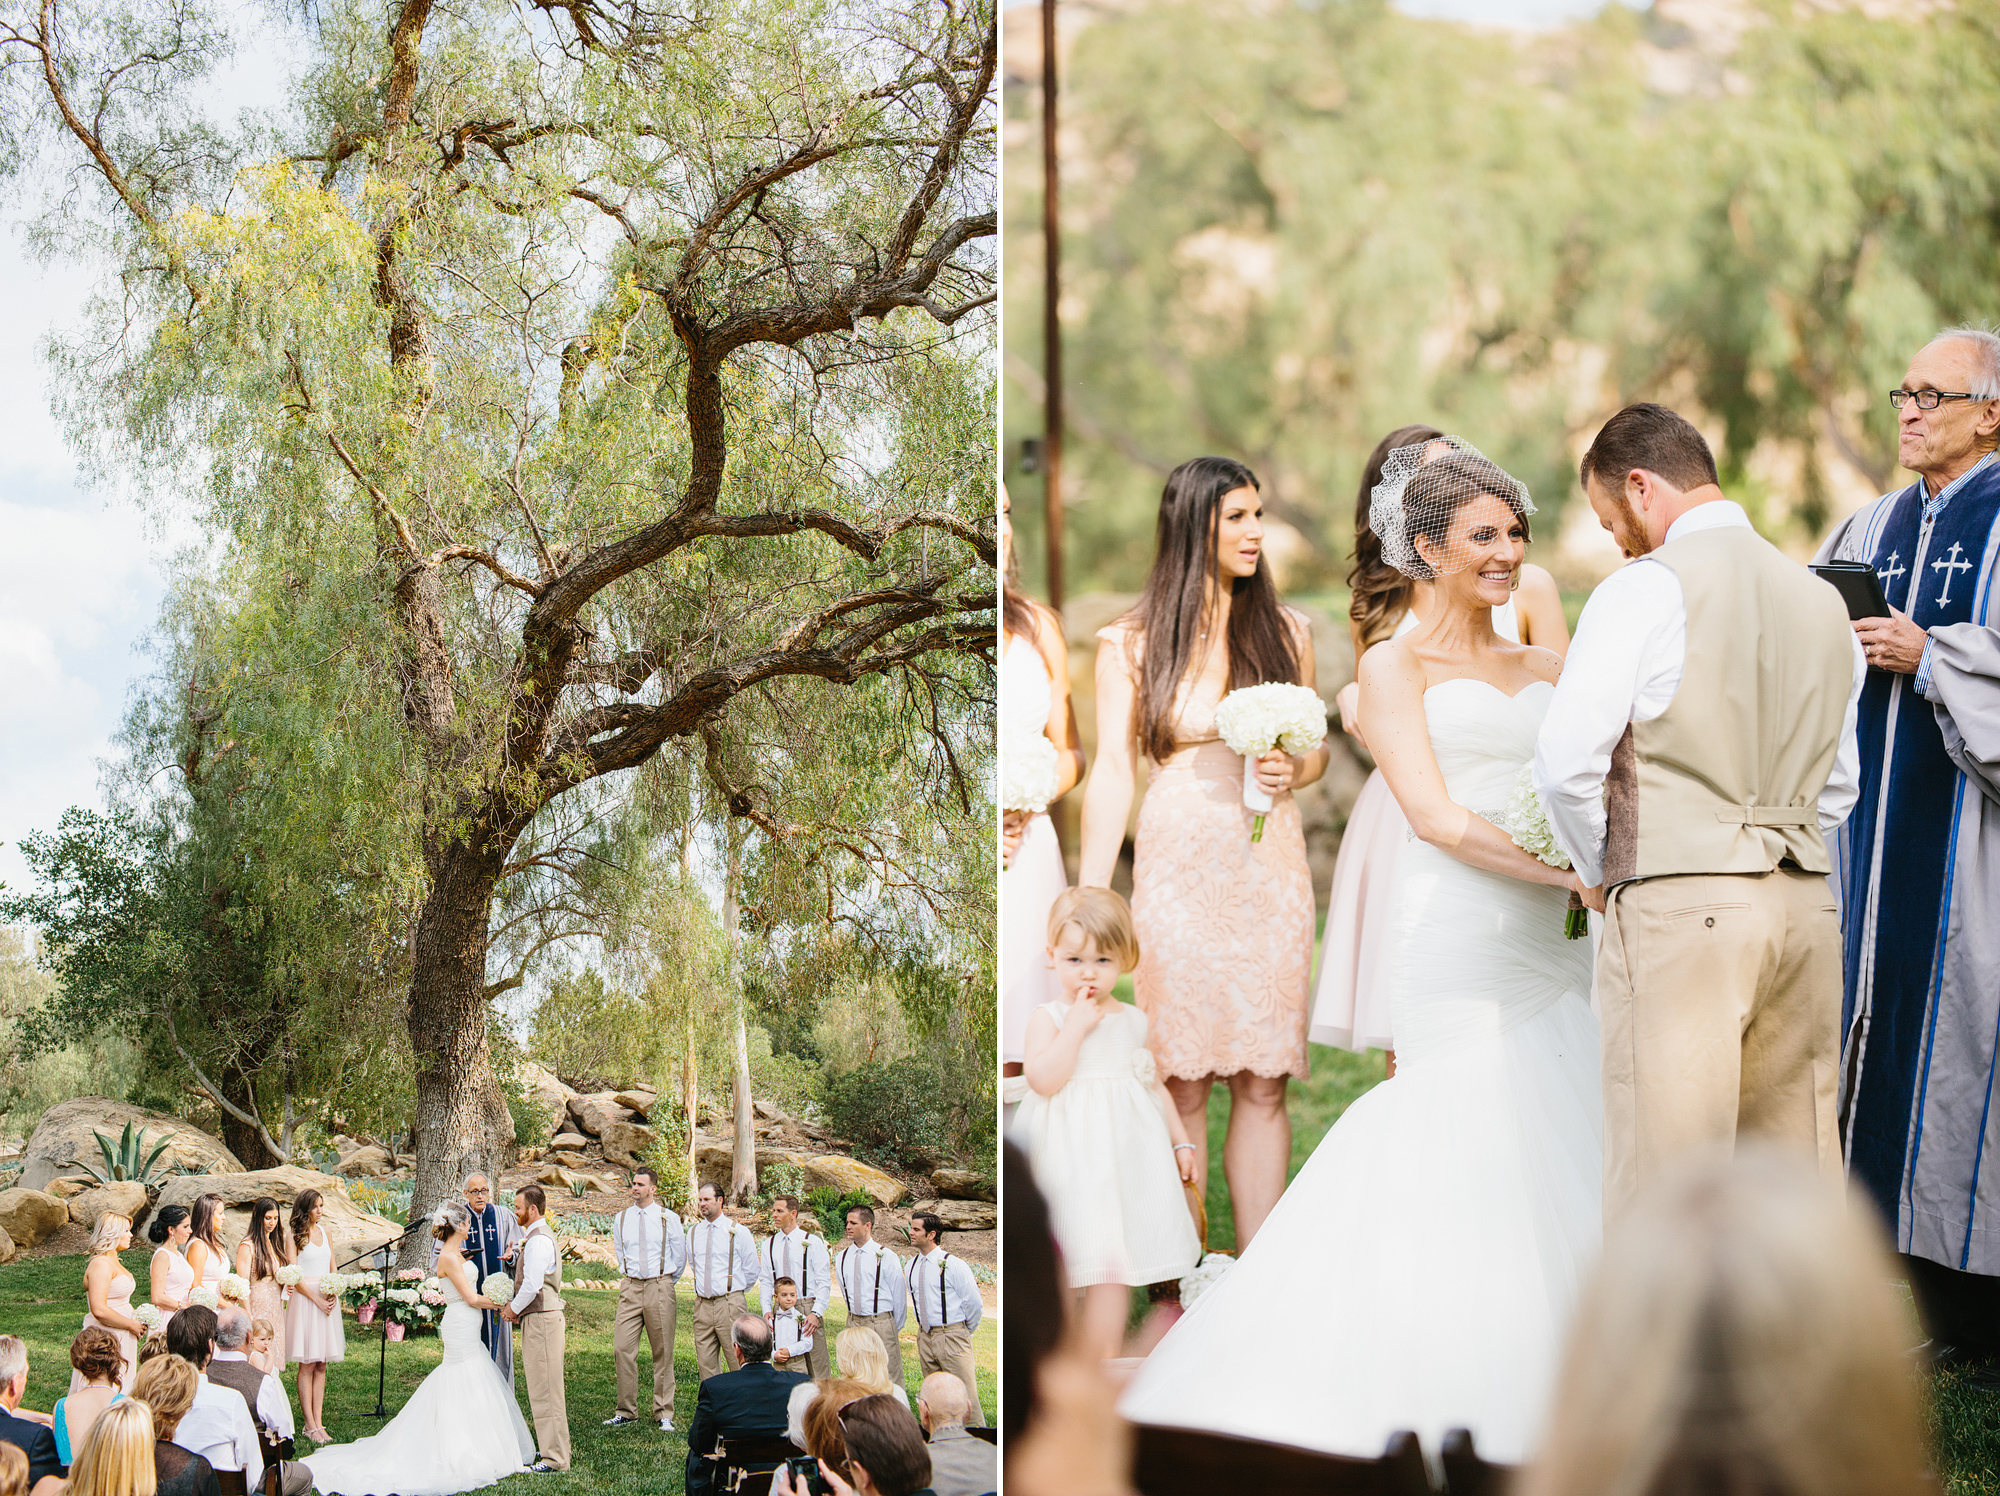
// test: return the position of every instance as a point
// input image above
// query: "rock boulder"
(962, 1215)
(961, 1184)
(583, 1249)
(545, 1088)
(576, 1142)
(121, 1198)
(640, 1099)
(8, 1251)
(845, 1174)
(597, 1111)
(368, 1162)
(351, 1229)
(30, 1216)
(625, 1143)
(68, 1189)
(64, 1133)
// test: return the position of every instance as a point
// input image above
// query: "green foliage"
(127, 1159)
(668, 1157)
(385, 1197)
(91, 1061)
(584, 1027)
(893, 1109)
(831, 1206)
(578, 1189)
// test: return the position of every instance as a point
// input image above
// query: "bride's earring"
(1515, 585)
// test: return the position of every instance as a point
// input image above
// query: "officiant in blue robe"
(489, 1247)
(1918, 861)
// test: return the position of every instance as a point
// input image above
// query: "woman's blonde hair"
(1102, 917)
(165, 1384)
(1741, 1334)
(13, 1470)
(110, 1228)
(863, 1358)
(117, 1454)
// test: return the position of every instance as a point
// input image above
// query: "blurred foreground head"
(1741, 1336)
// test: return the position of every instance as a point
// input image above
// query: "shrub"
(830, 1207)
(896, 1109)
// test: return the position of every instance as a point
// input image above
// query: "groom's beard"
(1630, 530)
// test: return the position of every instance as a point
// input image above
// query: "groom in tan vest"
(537, 1307)
(1698, 747)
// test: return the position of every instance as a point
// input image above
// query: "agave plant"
(578, 1189)
(127, 1159)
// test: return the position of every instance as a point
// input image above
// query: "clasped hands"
(1276, 769)
(1894, 643)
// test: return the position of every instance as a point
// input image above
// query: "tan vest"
(551, 1295)
(1727, 779)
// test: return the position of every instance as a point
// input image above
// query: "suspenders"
(874, 1303)
(943, 1308)
(619, 1233)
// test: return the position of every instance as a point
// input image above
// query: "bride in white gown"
(461, 1428)
(1464, 1192)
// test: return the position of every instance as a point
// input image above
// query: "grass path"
(41, 1300)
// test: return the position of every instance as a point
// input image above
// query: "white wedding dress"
(460, 1430)
(1464, 1192)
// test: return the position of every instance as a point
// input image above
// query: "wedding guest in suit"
(1225, 923)
(948, 1308)
(262, 1394)
(722, 1256)
(746, 1403)
(107, 1290)
(1741, 1334)
(117, 1458)
(646, 1237)
(796, 1253)
(960, 1464)
(537, 1307)
(872, 1282)
(218, 1427)
(264, 1249)
(166, 1384)
(35, 1440)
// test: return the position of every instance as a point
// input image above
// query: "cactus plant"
(127, 1159)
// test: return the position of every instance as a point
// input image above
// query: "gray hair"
(232, 1328)
(476, 1175)
(752, 1337)
(1987, 385)
(13, 1360)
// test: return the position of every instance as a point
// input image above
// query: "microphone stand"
(382, 1254)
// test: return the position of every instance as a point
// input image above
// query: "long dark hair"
(207, 1211)
(266, 1255)
(1381, 594)
(1171, 611)
(302, 1209)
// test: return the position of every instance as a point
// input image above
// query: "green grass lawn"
(41, 1300)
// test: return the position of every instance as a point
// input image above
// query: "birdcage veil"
(1423, 485)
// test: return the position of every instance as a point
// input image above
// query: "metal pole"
(1052, 418)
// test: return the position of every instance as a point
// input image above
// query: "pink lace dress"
(1225, 924)
(267, 1304)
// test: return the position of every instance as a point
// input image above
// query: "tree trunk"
(237, 1135)
(743, 1166)
(690, 1108)
(462, 1125)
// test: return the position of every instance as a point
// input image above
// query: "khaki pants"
(542, 1358)
(714, 1322)
(648, 1304)
(949, 1348)
(1720, 1001)
(884, 1325)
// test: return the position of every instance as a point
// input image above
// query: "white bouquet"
(1028, 765)
(1526, 820)
(203, 1295)
(236, 1286)
(497, 1287)
(288, 1275)
(1253, 720)
(401, 1295)
(149, 1318)
(1204, 1276)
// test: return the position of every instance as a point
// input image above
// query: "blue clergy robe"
(493, 1231)
(1918, 875)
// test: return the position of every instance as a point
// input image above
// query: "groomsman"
(793, 1252)
(722, 1256)
(651, 1250)
(871, 1281)
(537, 1307)
(948, 1309)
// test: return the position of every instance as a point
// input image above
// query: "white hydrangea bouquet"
(1204, 1276)
(235, 1287)
(203, 1295)
(1253, 720)
(1526, 820)
(497, 1287)
(288, 1275)
(1028, 765)
(149, 1318)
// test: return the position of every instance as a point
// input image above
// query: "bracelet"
(1179, 1146)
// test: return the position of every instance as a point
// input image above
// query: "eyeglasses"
(1929, 399)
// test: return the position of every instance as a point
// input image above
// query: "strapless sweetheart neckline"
(1473, 680)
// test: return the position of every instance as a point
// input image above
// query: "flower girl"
(1108, 1146)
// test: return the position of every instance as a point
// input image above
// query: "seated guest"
(218, 1427)
(270, 1409)
(99, 1360)
(746, 1403)
(166, 1385)
(117, 1457)
(35, 1440)
(960, 1464)
(862, 1358)
(13, 1470)
(1740, 1334)
(885, 1454)
(837, 1393)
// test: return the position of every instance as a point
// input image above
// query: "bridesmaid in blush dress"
(1350, 999)
(107, 1288)
(264, 1249)
(1225, 924)
(204, 1247)
(169, 1278)
(313, 1332)
(1034, 701)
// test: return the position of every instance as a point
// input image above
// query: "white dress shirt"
(219, 1429)
(871, 1280)
(938, 1272)
(722, 1256)
(538, 1260)
(1624, 666)
(648, 1242)
(799, 1255)
(273, 1407)
(788, 1333)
